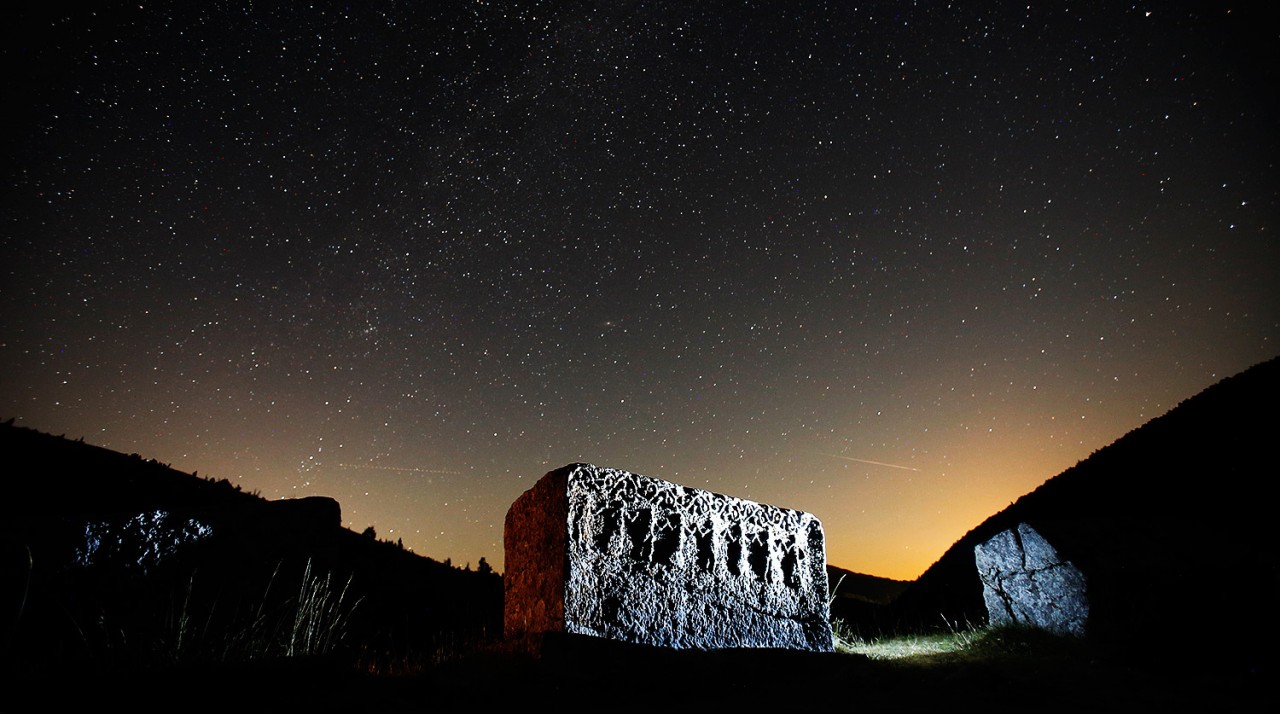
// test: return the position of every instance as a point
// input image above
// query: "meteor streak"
(876, 463)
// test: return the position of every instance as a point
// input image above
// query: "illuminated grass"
(909, 646)
(969, 644)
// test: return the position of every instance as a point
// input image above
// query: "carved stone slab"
(604, 552)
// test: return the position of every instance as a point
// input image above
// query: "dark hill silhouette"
(1174, 521)
(848, 585)
(861, 599)
(111, 558)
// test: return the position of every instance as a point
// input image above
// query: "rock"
(1025, 582)
(138, 542)
(306, 513)
(603, 552)
(290, 521)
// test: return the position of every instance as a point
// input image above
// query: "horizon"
(466, 564)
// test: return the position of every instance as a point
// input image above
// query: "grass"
(201, 618)
(903, 647)
(1012, 668)
(321, 615)
(959, 645)
(185, 617)
(907, 646)
(312, 622)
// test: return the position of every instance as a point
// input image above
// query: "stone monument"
(604, 552)
(1026, 582)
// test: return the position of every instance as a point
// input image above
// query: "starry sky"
(892, 263)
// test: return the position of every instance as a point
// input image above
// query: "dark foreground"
(576, 674)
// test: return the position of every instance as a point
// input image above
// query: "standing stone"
(598, 551)
(1025, 582)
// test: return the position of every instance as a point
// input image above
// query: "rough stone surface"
(598, 551)
(142, 541)
(138, 542)
(1025, 582)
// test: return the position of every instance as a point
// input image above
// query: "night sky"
(892, 263)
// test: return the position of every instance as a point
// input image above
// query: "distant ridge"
(1177, 512)
(861, 598)
(846, 584)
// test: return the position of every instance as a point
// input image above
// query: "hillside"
(1174, 519)
(117, 559)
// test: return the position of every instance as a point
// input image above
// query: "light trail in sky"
(874, 463)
